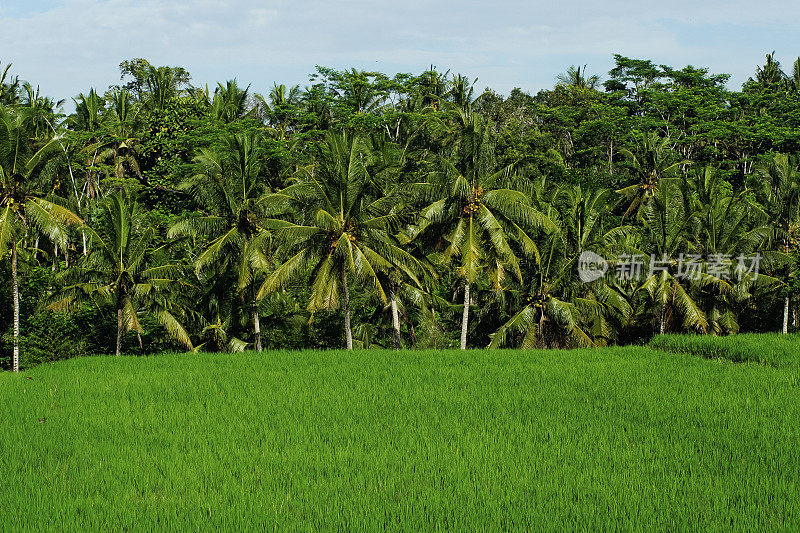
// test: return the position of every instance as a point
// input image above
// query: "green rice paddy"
(761, 348)
(617, 438)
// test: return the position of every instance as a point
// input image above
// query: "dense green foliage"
(374, 211)
(627, 438)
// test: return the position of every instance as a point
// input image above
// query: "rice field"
(771, 349)
(618, 438)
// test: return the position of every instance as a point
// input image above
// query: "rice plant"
(622, 438)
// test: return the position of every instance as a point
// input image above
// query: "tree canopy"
(367, 209)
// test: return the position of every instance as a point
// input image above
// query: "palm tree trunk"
(15, 291)
(256, 321)
(435, 337)
(663, 321)
(395, 321)
(465, 317)
(119, 330)
(348, 333)
(785, 315)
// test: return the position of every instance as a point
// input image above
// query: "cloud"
(73, 44)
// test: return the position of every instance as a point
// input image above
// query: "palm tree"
(9, 87)
(230, 187)
(473, 211)
(230, 102)
(731, 225)
(280, 107)
(88, 111)
(576, 77)
(460, 93)
(124, 269)
(388, 162)
(345, 220)
(121, 147)
(794, 81)
(651, 160)
(770, 74)
(87, 119)
(163, 85)
(40, 110)
(670, 223)
(779, 189)
(24, 205)
(358, 90)
(547, 318)
(559, 309)
(431, 88)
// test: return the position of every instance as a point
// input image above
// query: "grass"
(622, 438)
(781, 351)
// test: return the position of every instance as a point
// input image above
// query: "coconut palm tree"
(770, 74)
(229, 102)
(41, 111)
(558, 308)
(794, 80)
(550, 316)
(673, 292)
(24, 203)
(388, 166)
(279, 108)
(9, 87)
(88, 111)
(125, 269)
(460, 93)
(163, 85)
(472, 210)
(731, 224)
(345, 224)
(648, 162)
(777, 181)
(121, 147)
(87, 120)
(359, 91)
(230, 187)
(576, 77)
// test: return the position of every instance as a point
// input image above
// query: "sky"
(68, 46)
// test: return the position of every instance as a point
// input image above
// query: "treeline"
(409, 211)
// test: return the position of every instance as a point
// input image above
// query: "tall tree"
(556, 307)
(230, 187)
(344, 228)
(126, 270)
(472, 210)
(24, 203)
(280, 108)
(770, 74)
(648, 162)
(121, 147)
(779, 187)
(230, 102)
(9, 87)
(576, 77)
(731, 225)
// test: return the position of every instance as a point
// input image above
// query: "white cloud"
(79, 43)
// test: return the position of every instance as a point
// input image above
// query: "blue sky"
(66, 46)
